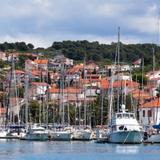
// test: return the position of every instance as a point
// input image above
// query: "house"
(13, 56)
(153, 75)
(16, 77)
(38, 89)
(58, 61)
(149, 112)
(30, 65)
(128, 84)
(91, 67)
(3, 56)
(137, 63)
(120, 68)
(122, 76)
(56, 92)
(42, 63)
(63, 59)
(71, 95)
(37, 75)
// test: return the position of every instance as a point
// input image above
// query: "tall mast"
(84, 85)
(8, 111)
(102, 98)
(118, 68)
(26, 93)
(62, 94)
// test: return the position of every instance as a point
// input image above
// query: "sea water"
(54, 150)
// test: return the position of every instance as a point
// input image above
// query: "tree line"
(78, 50)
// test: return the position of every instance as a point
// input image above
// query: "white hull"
(155, 138)
(36, 134)
(3, 134)
(126, 137)
(36, 137)
(82, 135)
(61, 136)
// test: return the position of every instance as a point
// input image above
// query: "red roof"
(152, 104)
(123, 83)
(104, 83)
(41, 61)
(39, 83)
(139, 94)
(2, 110)
(69, 90)
(19, 72)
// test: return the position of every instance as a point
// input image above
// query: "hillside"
(101, 53)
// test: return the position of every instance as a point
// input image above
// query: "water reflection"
(127, 149)
(25, 150)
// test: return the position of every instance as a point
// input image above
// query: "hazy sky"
(43, 21)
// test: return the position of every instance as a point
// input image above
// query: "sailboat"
(13, 129)
(83, 132)
(124, 127)
(62, 132)
(34, 131)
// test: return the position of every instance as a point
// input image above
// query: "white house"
(39, 88)
(149, 112)
(153, 75)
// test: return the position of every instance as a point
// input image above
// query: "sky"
(41, 22)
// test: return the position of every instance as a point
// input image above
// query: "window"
(143, 113)
(149, 113)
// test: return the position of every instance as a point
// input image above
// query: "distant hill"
(91, 50)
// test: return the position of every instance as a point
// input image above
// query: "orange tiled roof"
(89, 81)
(2, 110)
(76, 68)
(39, 83)
(41, 61)
(104, 83)
(36, 72)
(123, 83)
(139, 94)
(153, 103)
(19, 72)
(69, 90)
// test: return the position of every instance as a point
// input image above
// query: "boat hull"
(126, 137)
(155, 138)
(61, 136)
(36, 137)
(82, 136)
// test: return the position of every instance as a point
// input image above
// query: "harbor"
(80, 80)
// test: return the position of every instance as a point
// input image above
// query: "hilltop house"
(58, 61)
(149, 112)
(42, 63)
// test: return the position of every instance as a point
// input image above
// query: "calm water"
(23, 150)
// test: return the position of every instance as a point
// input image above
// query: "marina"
(80, 80)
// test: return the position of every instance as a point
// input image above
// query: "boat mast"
(118, 68)
(84, 85)
(26, 93)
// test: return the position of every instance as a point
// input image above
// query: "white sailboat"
(84, 134)
(36, 133)
(61, 132)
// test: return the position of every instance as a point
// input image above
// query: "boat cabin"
(125, 115)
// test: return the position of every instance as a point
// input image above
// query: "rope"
(126, 137)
